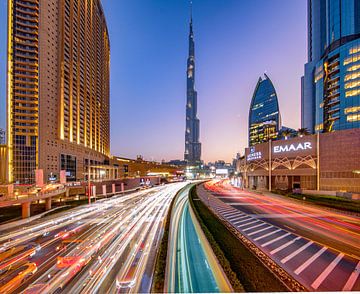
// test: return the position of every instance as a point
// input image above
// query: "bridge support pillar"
(48, 203)
(25, 209)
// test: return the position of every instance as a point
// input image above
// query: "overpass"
(25, 200)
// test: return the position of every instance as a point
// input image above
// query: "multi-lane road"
(191, 264)
(316, 246)
(106, 247)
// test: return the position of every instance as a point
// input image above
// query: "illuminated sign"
(222, 171)
(253, 155)
(292, 147)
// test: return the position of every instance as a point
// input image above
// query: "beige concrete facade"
(69, 123)
(326, 162)
(3, 165)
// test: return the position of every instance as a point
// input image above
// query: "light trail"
(90, 249)
(318, 247)
(191, 264)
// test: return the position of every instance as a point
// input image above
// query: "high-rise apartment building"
(192, 154)
(264, 114)
(58, 88)
(331, 82)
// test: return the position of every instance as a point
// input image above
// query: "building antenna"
(191, 11)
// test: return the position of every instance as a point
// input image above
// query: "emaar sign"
(292, 147)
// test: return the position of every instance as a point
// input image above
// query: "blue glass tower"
(264, 115)
(331, 82)
(192, 154)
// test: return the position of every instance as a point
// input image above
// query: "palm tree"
(285, 133)
(303, 132)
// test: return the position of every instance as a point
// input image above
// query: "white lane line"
(253, 227)
(327, 271)
(276, 239)
(231, 219)
(235, 216)
(258, 231)
(352, 279)
(231, 213)
(296, 252)
(246, 224)
(244, 220)
(310, 261)
(284, 245)
(225, 209)
(268, 234)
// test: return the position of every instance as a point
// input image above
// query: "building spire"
(192, 154)
(190, 12)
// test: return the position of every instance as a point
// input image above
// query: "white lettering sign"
(253, 155)
(292, 147)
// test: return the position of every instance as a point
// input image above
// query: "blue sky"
(236, 42)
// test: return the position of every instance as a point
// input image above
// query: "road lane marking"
(310, 261)
(244, 220)
(237, 218)
(296, 252)
(253, 227)
(268, 234)
(225, 209)
(231, 213)
(352, 279)
(276, 239)
(258, 231)
(327, 271)
(284, 245)
(246, 224)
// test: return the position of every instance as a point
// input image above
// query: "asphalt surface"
(191, 265)
(318, 247)
(106, 247)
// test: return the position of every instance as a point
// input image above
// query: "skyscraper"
(58, 88)
(192, 153)
(330, 96)
(264, 115)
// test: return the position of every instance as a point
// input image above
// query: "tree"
(303, 132)
(285, 133)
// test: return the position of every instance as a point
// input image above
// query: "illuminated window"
(353, 76)
(352, 109)
(353, 117)
(352, 93)
(354, 67)
(352, 59)
(352, 84)
(354, 50)
(319, 127)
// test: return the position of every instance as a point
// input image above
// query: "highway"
(191, 264)
(106, 247)
(318, 247)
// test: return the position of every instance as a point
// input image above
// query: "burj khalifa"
(192, 153)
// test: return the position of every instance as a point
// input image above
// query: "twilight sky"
(236, 41)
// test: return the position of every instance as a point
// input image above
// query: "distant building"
(192, 154)
(2, 137)
(60, 49)
(264, 115)
(330, 96)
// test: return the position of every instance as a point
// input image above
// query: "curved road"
(317, 246)
(191, 265)
(108, 246)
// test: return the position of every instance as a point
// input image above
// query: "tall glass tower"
(330, 97)
(264, 115)
(192, 152)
